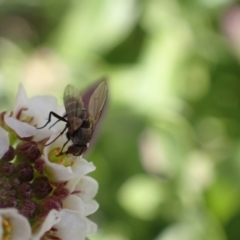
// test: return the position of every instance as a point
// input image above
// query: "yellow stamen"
(6, 229)
(62, 159)
(25, 118)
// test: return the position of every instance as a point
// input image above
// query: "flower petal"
(75, 225)
(83, 167)
(20, 227)
(91, 207)
(74, 203)
(87, 188)
(22, 129)
(51, 219)
(41, 106)
(21, 100)
(92, 227)
(57, 172)
(4, 142)
(83, 189)
(64, 168)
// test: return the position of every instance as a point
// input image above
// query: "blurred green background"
(168, 154)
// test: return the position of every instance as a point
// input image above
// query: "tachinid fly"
(80, 120)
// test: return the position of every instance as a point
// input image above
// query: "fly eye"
(75, 150)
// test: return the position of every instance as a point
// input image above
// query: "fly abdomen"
(82, 136)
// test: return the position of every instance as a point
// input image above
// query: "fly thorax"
(84, 114)
(75, 123)
(85, 124)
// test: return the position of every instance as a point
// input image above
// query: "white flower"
(13, 225)
(4, 142)
(82, 190)
(65, 225)
(74, 226)
(15, 121)
(64, 168)
(22, 129)
(51, 219)
(53, 203)
(29, 113)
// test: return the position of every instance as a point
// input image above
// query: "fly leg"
(64, 116)
(61, 133)
(61, 152)
(56, 116)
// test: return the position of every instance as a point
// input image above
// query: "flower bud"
(49, 204)
(15, 182)
(25, 190)
(25, 172)
(9, 155)
(41, 187)
(12, 193)
(28, 151)
(5, 184)
(28, 208)
(61, 192)
(11, 202)
(7, 168)
(39, 165)
(2, 203)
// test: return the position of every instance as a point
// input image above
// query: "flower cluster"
(42, 195)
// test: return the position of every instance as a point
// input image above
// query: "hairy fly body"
(80, 120)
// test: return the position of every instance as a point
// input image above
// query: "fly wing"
(97, 102)
(74, 105)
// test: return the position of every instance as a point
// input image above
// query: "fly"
(80, 121)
